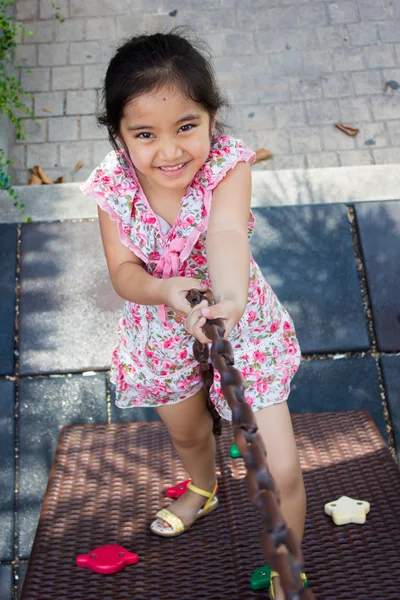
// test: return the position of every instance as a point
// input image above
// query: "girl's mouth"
(173, 171)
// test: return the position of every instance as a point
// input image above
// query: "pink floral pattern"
(153, 363)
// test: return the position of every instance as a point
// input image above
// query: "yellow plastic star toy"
(347, 510)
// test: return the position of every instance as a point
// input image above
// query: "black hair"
(147, 62)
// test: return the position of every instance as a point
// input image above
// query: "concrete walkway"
(291, 68)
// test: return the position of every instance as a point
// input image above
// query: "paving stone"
(47, 10)
(356, 110)
(49, 101)
(90, 130)
(322, 111)
(70, 30)
(8, 267)
(67, 78)
(317, 62)
(52, 54)
(348, 59)
(379, 56)
(305, 88)
(129, 415)
(45, 155)
(81, 102)
(379, 225)
(322, 159)
(354, 158)
(368, 82)
(46, 405)
(335, 36)
(36, 80)
(69, 310)
(343, 11)
(63, 129)
(6, 582)
(389, 31)
(346, 384)
(7, 444)
(386, 156)
(27, 10)
(288, 64)
(26, 55)
(290, 115)
(44, 32)
(85, 52)
(363, 33)
(35, 131)
(306, 255)
(373, 135)
(21, 573)
(391, 377)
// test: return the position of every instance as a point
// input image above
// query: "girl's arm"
(228, 253)
(131, 280)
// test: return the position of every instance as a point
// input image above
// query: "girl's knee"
(192, 437)
(288, 477)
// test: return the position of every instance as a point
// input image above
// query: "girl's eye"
(145, 135)
(187, 127)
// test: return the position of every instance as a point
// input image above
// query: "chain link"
(280, 546)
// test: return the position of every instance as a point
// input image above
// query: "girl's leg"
(275, 427)
(190, 426)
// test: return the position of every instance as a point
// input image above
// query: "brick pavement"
(291, 69)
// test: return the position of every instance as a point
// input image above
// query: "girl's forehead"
(164, 103)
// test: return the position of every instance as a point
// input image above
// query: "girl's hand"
(226, 310)
(175, 290)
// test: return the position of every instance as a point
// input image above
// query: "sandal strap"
(173, 521)
(303, 577)
(209, 495)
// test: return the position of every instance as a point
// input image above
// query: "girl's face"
(168, 138)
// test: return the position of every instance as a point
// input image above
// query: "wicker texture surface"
(107, 482)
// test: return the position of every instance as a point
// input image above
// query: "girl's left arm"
(228, 253)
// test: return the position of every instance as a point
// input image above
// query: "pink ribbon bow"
(168, 266)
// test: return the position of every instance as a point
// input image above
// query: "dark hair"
(147, 62)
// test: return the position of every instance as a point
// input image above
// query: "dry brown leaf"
(262, 154)
(34, 180)
(60, 180)
(78, 166)
(35, 171)
(43, 176)
(348, 129)
(47, 110)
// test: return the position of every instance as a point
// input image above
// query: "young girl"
(174, 213)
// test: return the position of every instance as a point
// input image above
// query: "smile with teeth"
(172, 168)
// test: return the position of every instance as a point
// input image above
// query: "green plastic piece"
(261, 579)
(234, 452)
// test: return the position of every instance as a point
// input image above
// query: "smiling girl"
(174, 213)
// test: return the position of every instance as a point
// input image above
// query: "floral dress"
(153, 363)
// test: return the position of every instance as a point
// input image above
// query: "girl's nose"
(170, 150)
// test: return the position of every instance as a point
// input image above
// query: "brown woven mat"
(107, 482)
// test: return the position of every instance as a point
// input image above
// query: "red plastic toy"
(107, 559)
(176, 491)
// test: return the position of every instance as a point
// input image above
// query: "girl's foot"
(186, 508)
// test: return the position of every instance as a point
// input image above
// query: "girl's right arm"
(131, 280)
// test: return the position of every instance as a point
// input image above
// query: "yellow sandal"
(176, 524)
(276, 574)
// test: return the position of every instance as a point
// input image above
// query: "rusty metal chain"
(280, 546)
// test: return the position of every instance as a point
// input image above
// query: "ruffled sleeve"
(114, 190)
(225, 154)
